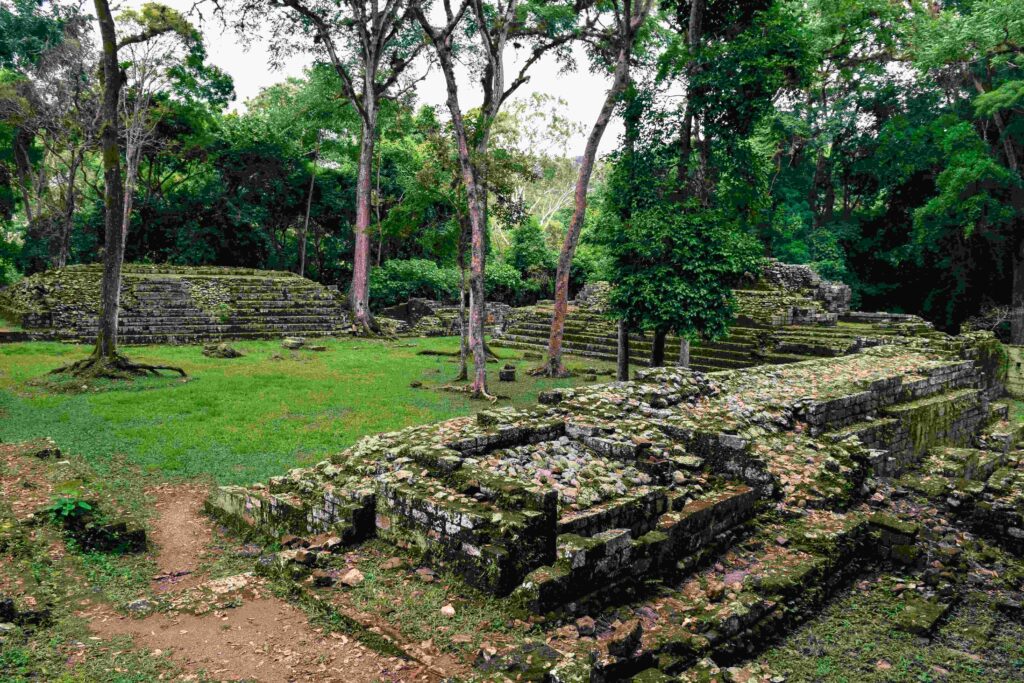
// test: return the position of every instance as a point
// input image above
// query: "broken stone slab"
(293, 343)
(315, 347)
(920, 615)
(221, 351)
(507, 373)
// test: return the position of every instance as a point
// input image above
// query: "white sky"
(251, 72)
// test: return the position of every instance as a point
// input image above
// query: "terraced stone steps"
(179, 305)
(692, 516)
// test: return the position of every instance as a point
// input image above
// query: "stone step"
(609, 356)
(727, 358)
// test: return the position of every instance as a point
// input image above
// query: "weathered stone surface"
(682, 515)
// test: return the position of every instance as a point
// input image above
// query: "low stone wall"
(428, 318)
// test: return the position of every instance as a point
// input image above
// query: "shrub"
(504, 283)
(398, 280)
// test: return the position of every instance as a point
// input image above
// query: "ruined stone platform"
(175, 304)
(787, 314)
(719, 509)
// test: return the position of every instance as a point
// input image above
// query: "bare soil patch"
(234, 628)
(181, 535)
(24, 484)
(263, 639)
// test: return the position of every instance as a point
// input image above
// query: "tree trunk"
(572, 236)
(693, 35)
(305, 221)
(684, 352)
(658, 349)
(64, 248)
(1017, 300)
(477, 226)
(623, 352)
(113, 199)
(359, 294)
(132, 158)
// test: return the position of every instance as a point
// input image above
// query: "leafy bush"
(398, 280)
(528, 251)
(504, 283)
(68, 510)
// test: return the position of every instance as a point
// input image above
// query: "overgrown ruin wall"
(651, 491)
(175, 304)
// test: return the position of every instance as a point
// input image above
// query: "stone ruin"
(718, 510)
(787, 314)
(419, 317)
(175, 305)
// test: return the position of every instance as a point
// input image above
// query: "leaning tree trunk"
(1017, 296)
(113, 190)
(554, 367)
(359, 294)
(623, 352)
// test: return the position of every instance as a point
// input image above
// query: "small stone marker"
(293, 342)
(507, 373)
(352, 577)
(316, 347)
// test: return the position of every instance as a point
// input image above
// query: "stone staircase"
(682, 517)
(591, 334)
(178, 305)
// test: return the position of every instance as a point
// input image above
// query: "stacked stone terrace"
(721, 508)
(173, 305)
(787, 315)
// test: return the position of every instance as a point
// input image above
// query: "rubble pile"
(708, 513)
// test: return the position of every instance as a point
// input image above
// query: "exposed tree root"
(491, 355)
(468, 389)
(549, 369)
(116, 367)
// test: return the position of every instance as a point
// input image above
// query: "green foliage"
(503, 282)
(398, 280)
(673, 268)
(529, 252)
(27, 29)
(67, 509)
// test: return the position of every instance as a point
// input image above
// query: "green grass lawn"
(245, 419)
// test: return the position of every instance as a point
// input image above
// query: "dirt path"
(233, 628)
(181, 535)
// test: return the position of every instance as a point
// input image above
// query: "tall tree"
(371, 47)
(978, 48)
(492, 27)
(153, 20)
(613, 45)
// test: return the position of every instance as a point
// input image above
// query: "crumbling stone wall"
(598, 484)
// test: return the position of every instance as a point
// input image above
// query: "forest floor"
(147, 452)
